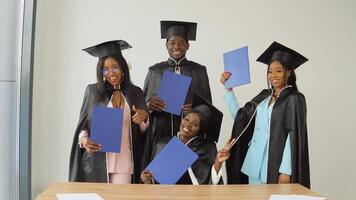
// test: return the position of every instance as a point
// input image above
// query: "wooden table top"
(172, 192)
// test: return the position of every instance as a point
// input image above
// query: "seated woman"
(197, 130)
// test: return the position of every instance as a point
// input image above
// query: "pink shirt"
(122, 162)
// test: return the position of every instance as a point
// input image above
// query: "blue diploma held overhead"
(106, 128)
(172, 162)
(236, 62)
(173, 90)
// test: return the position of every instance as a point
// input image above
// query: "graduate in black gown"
(177, 35)
(273, 144)
(113, 88)
(199, 130)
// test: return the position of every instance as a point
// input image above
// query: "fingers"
(224, 76)
(146, 176)
(186, 107)
(223, 155)
(91, 146)
(139, 116)
(95, 147)
(136, 119)
(157, 104)
(147, 173)
(134, 108)
(223, 152)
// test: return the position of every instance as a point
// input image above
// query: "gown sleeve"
(76, 151)
(215, 177)
(205, 84)
(299, 142)
(147, 87)
(286, 165)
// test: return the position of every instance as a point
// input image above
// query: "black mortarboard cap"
(282, 53)
(108, 48)
(187, 30)
(212, 115)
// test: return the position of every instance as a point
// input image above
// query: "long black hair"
(291, 80)
(104, 88)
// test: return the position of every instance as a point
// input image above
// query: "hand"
(186, 107)
(139, 116)
(89, 145)
(157, 104)
(283, 179)
(146, 177)
(224, 154)
(224, 76)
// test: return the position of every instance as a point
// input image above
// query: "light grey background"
(8, 96)
(324, 31)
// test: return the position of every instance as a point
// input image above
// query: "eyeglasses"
(106, 71)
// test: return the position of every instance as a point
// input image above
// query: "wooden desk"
(171, 192)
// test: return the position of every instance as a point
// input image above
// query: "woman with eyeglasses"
(113, 89)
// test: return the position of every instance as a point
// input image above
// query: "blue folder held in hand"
(106, 128)
(173, 90)
(236, 62)
(172, 162)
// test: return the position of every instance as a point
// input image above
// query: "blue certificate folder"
(172, 162)
(106, 128)
(173, 90)
(236, 62)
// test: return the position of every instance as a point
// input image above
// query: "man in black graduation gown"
(161, 123)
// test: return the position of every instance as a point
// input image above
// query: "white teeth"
(185, 129)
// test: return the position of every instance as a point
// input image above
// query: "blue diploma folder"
(106, 128)
(172, 162)
(236, 62)
(173, 90)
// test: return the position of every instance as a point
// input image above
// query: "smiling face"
(190, 125)
(277, 75)
(177, 47)
(112, 71)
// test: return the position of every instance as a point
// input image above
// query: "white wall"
(324, 31)
(8, 89)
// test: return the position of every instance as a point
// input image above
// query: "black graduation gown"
(85, 167)
(205, 149)
(288, 116)
(161, 122)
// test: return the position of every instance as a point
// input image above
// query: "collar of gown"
(174, 63)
